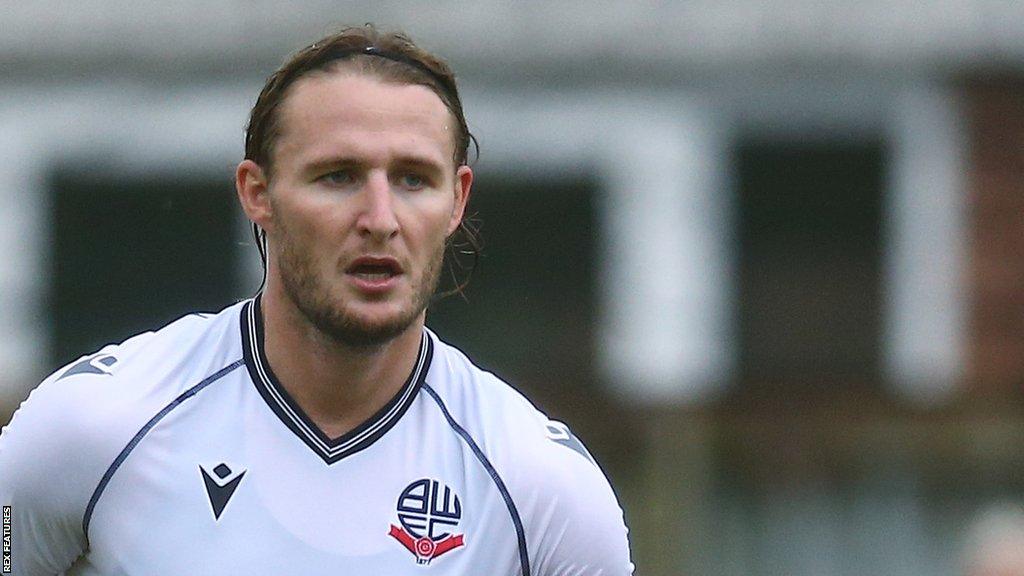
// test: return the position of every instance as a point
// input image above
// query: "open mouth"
(373, 269)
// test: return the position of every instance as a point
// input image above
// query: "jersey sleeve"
(48, 470)
(566, 517)
(581, 529)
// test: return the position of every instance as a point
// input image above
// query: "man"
(318, 428)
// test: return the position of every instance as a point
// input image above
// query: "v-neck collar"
(295, 418)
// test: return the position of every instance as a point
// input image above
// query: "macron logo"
(220, 486)
(101, 364)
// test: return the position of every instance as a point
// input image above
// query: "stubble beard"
(331, 315)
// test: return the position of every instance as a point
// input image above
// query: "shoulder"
(571, 517)
(72, 426)
(136, 375)
(63, 438)
(133, 376)
(178, 351)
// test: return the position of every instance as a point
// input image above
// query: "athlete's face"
(364, 193)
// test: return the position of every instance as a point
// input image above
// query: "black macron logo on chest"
(220, 486)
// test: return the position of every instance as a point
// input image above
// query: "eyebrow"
(420, 162)
(411, 161)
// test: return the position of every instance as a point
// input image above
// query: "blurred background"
(766, 259)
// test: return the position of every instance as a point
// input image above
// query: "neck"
(339, 387)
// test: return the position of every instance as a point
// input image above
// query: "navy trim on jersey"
(142, 433)
(524, 557)
(295, 418)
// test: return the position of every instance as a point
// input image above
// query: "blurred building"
(767, 258)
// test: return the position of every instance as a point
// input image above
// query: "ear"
(463, 185)
(251, 186)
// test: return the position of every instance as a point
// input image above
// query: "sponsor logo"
(428, 514)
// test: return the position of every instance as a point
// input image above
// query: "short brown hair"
(389, 56)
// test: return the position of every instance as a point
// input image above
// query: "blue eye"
(338, 178)
(413, 181)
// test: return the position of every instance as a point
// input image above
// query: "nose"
(377, 218)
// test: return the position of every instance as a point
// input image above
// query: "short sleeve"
(577, 520)
(44, 478)
(587, 535)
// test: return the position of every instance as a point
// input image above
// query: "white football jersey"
(179, 452)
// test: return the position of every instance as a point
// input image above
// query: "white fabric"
(145, 430)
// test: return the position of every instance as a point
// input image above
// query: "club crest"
(428, 514)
